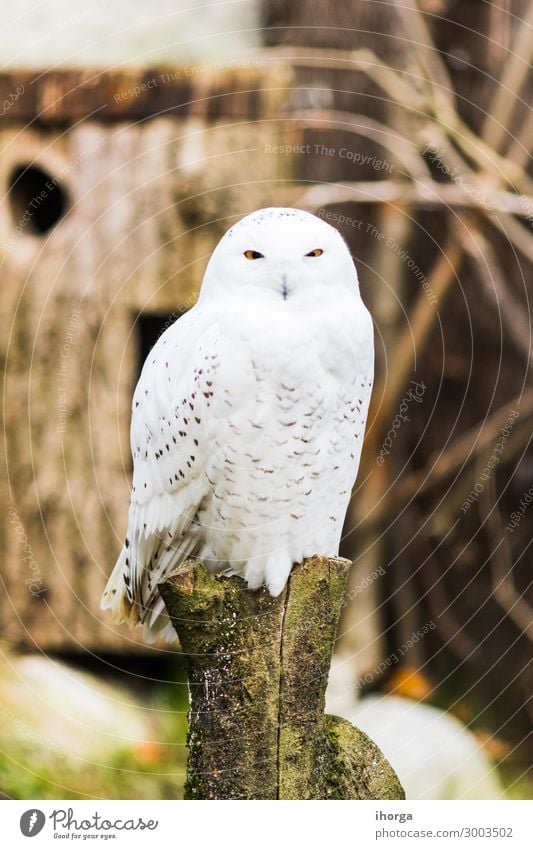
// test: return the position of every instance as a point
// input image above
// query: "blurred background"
(132, 136)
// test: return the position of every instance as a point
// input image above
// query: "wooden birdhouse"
(116, 188)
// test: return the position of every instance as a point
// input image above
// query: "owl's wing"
(169, 449)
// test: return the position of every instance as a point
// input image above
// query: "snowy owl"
(248, 417)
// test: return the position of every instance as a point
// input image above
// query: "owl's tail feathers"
(155, 621)
(159, 625)
(115, 598)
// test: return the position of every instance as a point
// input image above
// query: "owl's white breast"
(285, 428)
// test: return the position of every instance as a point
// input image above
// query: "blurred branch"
(515, 233)
(507, 204)
(495, 287)
(515, 72)
(452, 630)
(476, 147)
(519, 150)
(424, 193)
(434, 69)
(431, 109)
(414, 335)
(501, 564)
(393, 81)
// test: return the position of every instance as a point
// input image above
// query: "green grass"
(154, 769)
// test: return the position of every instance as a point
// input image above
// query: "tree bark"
(258, 669)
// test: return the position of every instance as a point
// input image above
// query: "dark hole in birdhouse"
(36, 198)
(150, 326)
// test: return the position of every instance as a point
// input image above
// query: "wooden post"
(258, 669)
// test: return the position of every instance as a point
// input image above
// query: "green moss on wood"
(353, 766)
(258, 671)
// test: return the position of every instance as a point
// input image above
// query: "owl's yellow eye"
(253, 255)
(316, 252)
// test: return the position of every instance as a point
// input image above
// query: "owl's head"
(285, 254)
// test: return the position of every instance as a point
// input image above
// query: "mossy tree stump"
(258, 669)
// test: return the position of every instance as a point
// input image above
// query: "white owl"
(249, 415)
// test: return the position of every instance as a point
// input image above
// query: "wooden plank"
(245, 89)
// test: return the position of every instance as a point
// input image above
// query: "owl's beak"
(284, 287)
